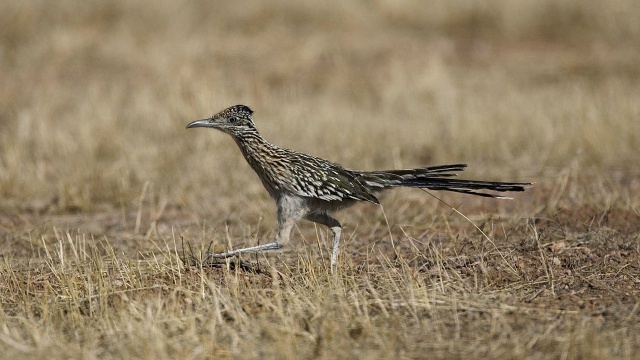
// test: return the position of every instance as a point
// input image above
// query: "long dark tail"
(437, 178)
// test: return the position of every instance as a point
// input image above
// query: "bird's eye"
(233, 119)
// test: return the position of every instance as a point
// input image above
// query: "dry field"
(103, 192)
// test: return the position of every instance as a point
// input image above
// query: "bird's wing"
(318, 178)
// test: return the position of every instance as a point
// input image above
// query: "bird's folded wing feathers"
(317, 178)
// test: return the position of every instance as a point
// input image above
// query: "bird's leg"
(287, 217)
(281, 239)
(252, 249)
(336, 229)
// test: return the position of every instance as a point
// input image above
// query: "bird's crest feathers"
(237, 110)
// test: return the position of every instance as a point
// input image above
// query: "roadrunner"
(311, 188)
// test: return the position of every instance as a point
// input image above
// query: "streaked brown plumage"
(308, 187)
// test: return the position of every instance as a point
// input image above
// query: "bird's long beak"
(200, 123)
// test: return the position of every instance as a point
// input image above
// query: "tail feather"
(438, 178)
(420, 173)
(465, 186)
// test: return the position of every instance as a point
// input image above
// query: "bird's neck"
(254, 147)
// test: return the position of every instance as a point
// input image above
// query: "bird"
(311, 188)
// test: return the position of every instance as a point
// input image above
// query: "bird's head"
(234, 120)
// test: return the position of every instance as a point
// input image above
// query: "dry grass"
(100, 183)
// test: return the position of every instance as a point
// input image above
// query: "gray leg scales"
(252, 249)
(337, 231)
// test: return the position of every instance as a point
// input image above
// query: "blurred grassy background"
(95, 95)
(99, 179)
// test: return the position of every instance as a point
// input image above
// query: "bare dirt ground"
(107, 203)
